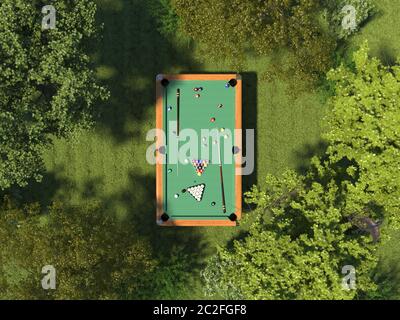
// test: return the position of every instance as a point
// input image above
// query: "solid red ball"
(212, 119)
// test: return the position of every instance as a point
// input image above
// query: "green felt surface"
(194, 120)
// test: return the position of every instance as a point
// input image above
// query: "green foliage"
(218, 281)
(364, 10)
(164, 15)
(296, 247)
(303, 232)
(46, 85)
(386, 291)
(95, 256)
(172, 276)
(363, 130)
(230, 28)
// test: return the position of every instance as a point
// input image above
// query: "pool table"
(198, 149)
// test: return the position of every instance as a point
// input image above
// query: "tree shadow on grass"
(43, 192)
(387, 54)
(306, 153)
(387, 272)
(133, 52)
(56, 186)
(249, 115)
(387, 278)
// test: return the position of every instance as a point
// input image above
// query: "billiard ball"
(176, 196)
(220, 106)
(197, 96)
(212, 119)
(169, 108)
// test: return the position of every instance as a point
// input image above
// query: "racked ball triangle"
(197, 191)
(200, 166)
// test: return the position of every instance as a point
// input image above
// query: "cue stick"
(165, 185)
(178, 102)
(221, 177)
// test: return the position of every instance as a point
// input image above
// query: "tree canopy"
(295, 249)
(94, 255)
(305, 229)
(47, 88)
(363, 129)
(230, 28)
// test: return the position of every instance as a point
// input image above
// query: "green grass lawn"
(108, 164)
(383, 35)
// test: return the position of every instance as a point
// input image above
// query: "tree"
(363, 132)
(230, 28)
(94, 255)
(296, 247)
(306, 229)
(47, 88)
